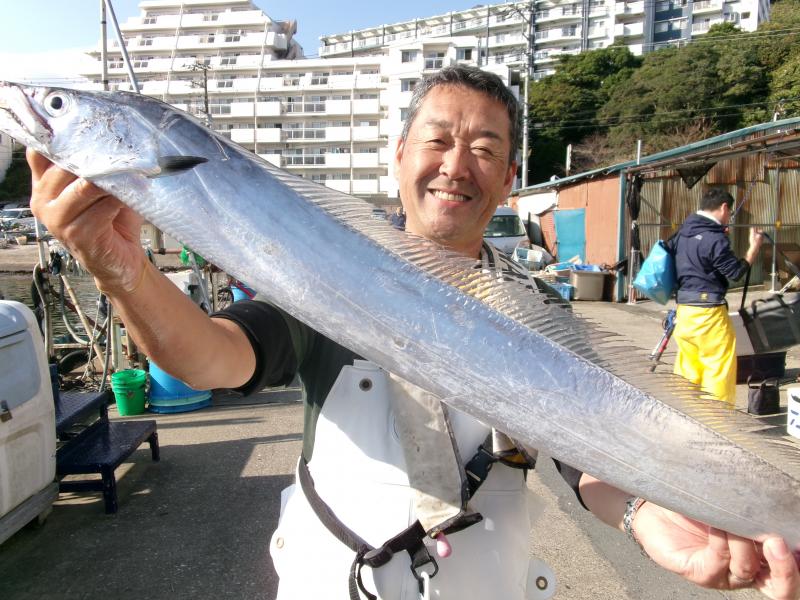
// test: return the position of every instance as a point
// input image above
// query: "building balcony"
(275, 159)
(363, 160)
(365, 186)
(151, 44)
(303, 135)
(136, 24)
(337, 134)
(706, 6)
(366, 106)
(261, 109)
(701, 27)
(507, 39)
(239, 85)
(557, 34)
(337, 160)
(156, 87)
(624, 9)
(270, 135)
(223, 19)
(302, 160)
(598, 32)
(558, 14)
(628, 29)
(365, 134)
(340, 185)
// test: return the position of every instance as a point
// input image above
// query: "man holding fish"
(410, 497)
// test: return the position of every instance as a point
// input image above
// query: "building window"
(407, 56)
(207, 39)
(464, 54)
(434, 60)
(408, 85)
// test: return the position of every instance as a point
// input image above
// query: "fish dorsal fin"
(509, 291)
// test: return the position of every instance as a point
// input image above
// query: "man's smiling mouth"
(449, 196)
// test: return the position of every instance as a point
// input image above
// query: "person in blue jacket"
(705, 263)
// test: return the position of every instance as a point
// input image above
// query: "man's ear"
(398, 157)
(511, 175)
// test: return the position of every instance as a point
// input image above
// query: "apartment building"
(513, 33)
(332, 120)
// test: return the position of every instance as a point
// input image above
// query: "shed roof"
(775, 136)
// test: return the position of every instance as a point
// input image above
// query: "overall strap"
(410, 540)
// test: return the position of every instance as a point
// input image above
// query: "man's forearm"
(175, 333)
(605, 501)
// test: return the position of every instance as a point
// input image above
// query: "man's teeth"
(450, 197)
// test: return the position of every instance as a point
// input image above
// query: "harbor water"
(17, 286)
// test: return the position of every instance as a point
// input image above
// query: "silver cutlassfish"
(483, 344)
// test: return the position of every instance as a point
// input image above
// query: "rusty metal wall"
(600, 198)
(548, 225)
(752, 180)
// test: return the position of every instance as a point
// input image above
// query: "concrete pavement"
(197, 524)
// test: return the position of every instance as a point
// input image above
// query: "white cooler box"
(27, 421)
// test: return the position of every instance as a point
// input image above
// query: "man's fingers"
(61, 198)
(38, 163)
(784, 580)
(745, 561)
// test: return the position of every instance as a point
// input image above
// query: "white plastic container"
(793, 411)
(27, 413)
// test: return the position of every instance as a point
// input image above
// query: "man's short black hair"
(475, 79)
(714, 198)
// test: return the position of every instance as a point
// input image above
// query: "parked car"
(379, 213)
(17, 219)
(505, 231)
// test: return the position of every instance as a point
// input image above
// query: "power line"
(621, 119)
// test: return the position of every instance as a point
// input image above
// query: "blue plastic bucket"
(170, 395)
(242, 293)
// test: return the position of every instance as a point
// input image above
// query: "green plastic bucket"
(129, 391)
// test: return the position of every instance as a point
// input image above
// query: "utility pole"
(204, 68)
(528, 33)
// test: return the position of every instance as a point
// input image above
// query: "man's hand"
(100, 231)
(713, 558)
(756, 237)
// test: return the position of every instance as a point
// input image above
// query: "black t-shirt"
(284, 347)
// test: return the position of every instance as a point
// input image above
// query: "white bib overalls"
(358, 468)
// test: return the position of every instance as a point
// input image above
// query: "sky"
(44, 40)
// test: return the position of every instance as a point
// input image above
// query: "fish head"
(91, 134)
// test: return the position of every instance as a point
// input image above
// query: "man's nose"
(455, 163)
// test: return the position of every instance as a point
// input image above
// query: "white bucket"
(793, 411)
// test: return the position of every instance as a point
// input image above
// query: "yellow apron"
(707, 350)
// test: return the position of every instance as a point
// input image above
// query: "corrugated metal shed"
(759, 166)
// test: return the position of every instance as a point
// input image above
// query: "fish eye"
(56, 104)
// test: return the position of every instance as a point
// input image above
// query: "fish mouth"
(20, 119)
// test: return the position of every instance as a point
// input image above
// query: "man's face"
(453, 167)
(725, 213)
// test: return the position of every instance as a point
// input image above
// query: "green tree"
(17, 182)
(563, 107)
